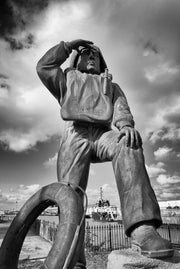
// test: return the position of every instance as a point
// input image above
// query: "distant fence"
(106, 237)
(6, 218)
(171, 232)
(101, 238)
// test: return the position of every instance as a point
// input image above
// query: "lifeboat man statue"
(91, 106)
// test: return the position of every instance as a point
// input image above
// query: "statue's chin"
(89, 71)
(92, 70)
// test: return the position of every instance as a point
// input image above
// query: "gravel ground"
(94, 261)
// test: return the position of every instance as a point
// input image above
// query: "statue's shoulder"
(116, 86)
(117, 91)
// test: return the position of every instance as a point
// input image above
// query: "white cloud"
(30, 112)
(19, 195)
(51, 163)
(161, 73)
(163, 153)
(155, 169)
(167, 195)
(17, 141)
(28, 190)
(80, 18)
(3, 95)
(166, 179)
(165, 124)
(64, 15)
(156, 135)
(93, 195)
(169, 133)
(27, 120)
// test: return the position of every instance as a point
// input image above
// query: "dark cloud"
(4, 82)
(3, 76)
(4, 85)
(11, 117)
(148, 24)
(150, 46)
(16, 44)
(16, 16)
(173, 117)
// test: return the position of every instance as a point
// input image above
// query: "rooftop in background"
(170, 203)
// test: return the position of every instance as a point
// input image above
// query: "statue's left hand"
(132, 137)
(75, 44)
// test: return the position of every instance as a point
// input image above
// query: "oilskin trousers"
(83, 143)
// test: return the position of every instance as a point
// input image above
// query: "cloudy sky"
(140, 41)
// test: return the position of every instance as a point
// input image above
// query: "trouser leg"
(74, 157)
(138, 200)
(73, 167)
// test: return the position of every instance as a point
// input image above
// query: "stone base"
(129, 259)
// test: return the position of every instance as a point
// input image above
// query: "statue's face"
(89, 61)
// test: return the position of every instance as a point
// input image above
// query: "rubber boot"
(147, 241)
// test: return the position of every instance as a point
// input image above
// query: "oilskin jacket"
(83, 96)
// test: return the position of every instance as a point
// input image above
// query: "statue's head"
(89, 60)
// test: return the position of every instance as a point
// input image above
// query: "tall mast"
(101, 194)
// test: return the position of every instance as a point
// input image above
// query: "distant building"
(1, 212)
(169, 204)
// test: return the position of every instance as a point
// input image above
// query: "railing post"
(169, 232)
(110, 237)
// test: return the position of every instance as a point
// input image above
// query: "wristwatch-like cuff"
(121, 124)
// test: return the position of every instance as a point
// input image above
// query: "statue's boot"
(147, 241)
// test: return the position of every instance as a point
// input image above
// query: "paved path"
(33, 247)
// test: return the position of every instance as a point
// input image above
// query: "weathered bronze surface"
(90, 103)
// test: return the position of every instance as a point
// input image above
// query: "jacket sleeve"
(49, 71)
(122, 115)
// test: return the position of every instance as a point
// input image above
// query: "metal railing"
(171, 232)
(102, 238)
(106, 237)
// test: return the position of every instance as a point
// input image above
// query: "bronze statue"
(90, 104)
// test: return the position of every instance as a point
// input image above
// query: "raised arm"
(48, 67)
(49, 71)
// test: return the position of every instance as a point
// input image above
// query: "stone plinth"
(129, 259)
